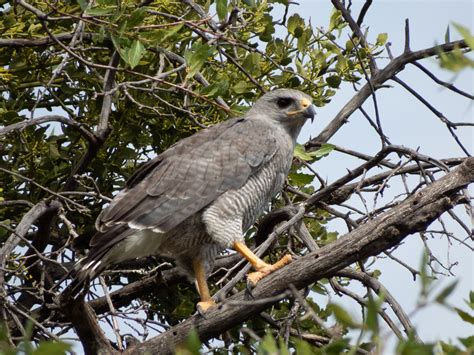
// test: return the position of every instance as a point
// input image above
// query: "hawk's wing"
(188, 177)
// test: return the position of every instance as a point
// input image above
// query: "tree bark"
(85, 323)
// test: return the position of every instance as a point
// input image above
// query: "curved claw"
(203, 306)
(254, 277)
(249, 288)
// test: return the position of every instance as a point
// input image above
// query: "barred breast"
(236, 210)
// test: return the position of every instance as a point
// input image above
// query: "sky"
(407, 122)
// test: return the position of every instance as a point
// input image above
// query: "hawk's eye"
(284, 102)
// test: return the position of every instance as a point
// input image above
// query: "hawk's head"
(289, 107)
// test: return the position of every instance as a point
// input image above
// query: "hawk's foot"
(254, 277)
(203, 306)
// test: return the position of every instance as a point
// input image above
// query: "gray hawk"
(201, 195)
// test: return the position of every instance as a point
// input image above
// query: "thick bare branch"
(91, 335)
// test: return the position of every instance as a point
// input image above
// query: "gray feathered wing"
(185, 179)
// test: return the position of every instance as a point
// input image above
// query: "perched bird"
(201, 195)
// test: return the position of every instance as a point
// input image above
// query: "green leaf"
(300, 179)
(216, 89)
(191, 346)
(134, 53)
(447, 349)
(441, 298)
(371, 320)
(285, 61)
(349, 45)
(221, 8)
(298, 32)
(381, 39)
(470, 303)
(120, 43)
(334, 20)
(101, 11)
(136, 17)
(304, 39)
(251, 63)
(267, 28)
(105, 3)
(301, 153)
(283, 348)
(336, 347)
(82, 4)
(455, 60)
(330, 47)
(50, 348)
(53, 151)
(197, 56)
(324, 150)
(424, 278)
(342, 316)
(466, 34)
(172, 31)
(468, 342)
(161, 36)
(410, 347)
(294, 22)
(319, 289)
(241, 87)
(268, 345)
(342, 64)
(465, 316)
(300, 68)
(333, 81)
(302, 347)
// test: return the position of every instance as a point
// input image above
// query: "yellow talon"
(256, 276)
(203, 306)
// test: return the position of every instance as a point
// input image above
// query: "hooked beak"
(310, 113)
(307, 109)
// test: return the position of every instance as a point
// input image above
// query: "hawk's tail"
(95, 262)
(83, 271)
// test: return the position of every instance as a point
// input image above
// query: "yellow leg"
(203, 289)
(262, 268)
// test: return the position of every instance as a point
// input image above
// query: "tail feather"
(95, 262)
(81, 274)
(84, 274)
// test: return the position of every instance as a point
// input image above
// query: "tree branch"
(91, 336)
(50, 118)
(41, 42)
(380, 77)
